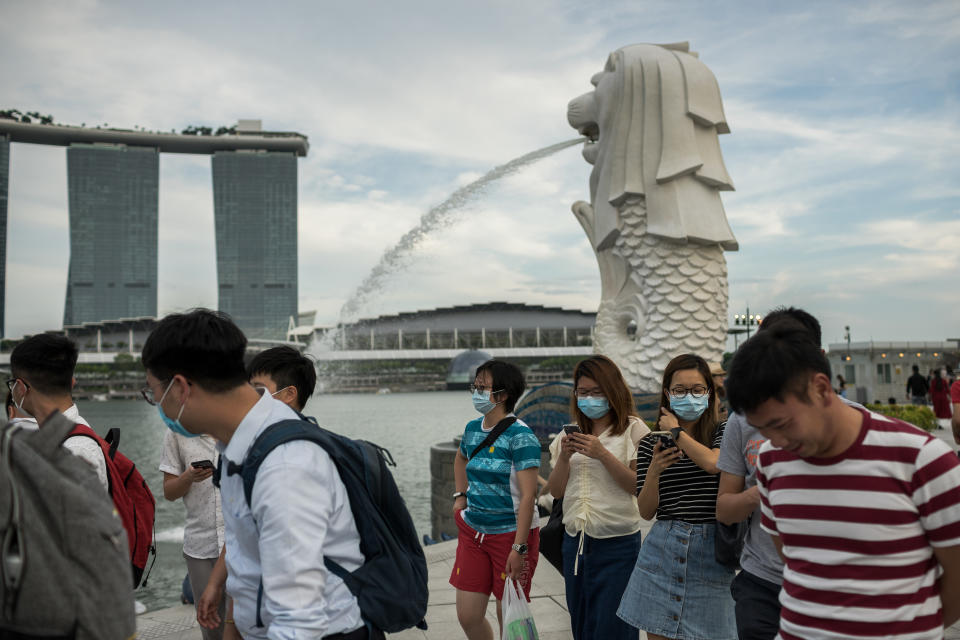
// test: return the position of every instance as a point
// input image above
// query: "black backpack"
(391, 585)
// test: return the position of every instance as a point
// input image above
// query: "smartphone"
(571, 428)
(202, 464)
(666, 439)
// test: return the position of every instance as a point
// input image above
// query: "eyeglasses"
(697, 391)
(147, 393)
(481, 388)
(589, 393)
(12, 382)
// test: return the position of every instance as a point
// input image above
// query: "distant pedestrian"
(594, 471)
(841, 386)
(865, 509)
(678, 589)
(940, 396)
(718, 375)
(955, 402)
(917, 387)
(495, 471)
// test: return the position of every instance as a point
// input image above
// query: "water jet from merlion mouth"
(438, 217)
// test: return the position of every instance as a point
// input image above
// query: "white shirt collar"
(73, 414)
(249, 428)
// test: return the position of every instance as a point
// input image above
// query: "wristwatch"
(459, 494)
(520, 548)
(675, 432)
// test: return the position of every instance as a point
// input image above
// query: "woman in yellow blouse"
(594, 471)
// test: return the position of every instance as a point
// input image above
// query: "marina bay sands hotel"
(113, 192)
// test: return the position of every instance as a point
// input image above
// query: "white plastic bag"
(517, 620)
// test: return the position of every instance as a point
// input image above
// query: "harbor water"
(405, 423)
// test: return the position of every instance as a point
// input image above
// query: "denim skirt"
(677, 588)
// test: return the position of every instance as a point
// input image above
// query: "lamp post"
(747, 320)
(846, 336)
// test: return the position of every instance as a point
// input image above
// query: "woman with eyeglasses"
(495, 471)
(678, 589)
(594, 471)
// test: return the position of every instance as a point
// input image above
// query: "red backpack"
(132, 499)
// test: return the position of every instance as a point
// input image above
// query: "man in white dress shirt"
(299, 511)
(42, 382)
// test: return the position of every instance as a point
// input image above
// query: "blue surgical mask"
(593, 408)
(173, 425)
(482, 402)
(689, 408)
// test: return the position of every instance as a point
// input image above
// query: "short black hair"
(202, 345)
(774, 362)
(916, 369)
(46, 362)
(507, 377)
(288, 368)
(811, 324)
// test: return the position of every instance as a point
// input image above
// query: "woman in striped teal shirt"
(496, 486)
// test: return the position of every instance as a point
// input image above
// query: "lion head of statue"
(652, 122)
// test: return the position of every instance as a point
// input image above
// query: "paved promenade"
(547, 603)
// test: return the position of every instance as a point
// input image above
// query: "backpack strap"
(272, 437)
(113, 439)
(495, 433)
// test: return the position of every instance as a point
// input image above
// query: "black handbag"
(728, 543)
(551, 536)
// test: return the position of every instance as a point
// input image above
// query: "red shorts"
(481, 560)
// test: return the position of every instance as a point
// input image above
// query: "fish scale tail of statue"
(655, 218)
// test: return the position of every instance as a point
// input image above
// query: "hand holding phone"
(202, 464)
(571, 428)
(666, 454)
(665, 438)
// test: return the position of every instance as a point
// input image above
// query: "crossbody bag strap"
(497, 431)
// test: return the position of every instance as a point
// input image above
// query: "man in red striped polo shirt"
(864, 509)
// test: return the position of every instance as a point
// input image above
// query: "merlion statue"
(655, 219)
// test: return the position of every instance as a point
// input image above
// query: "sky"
(844, 118)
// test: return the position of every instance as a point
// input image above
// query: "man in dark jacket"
(917, 387)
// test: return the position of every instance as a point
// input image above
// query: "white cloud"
(844, 138)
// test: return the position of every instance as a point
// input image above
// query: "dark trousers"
(593, 595)
(757, 607)
(360, 634)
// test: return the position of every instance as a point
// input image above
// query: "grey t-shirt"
(738, 455)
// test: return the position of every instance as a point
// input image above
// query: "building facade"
(113, 193)
(491, 325)
(877, 371)
(255, 216)
(4, 189)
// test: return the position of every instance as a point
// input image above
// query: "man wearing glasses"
(298, 513)
(42, 382)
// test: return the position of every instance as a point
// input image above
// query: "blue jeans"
(594, 593)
